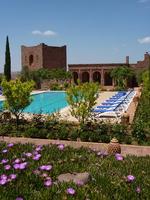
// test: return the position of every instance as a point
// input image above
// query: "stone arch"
(75, 77)
(85, 77)
(107, 79)
(97, 77)
(31, 59)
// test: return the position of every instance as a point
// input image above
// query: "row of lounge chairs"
(115, 106)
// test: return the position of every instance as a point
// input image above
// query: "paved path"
(125, 149)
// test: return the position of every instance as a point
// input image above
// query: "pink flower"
(48, 183)
(4, 161)
(7, 167)
(118, 156)
(39, 148)
(3, 176)
(138, 190)
(130, 178)
(19, 198)
(23, 165)
(16, 166)
(3, 181)
(12, 176)
(71, 191)
(28, 154)
(46, 167)
(17, 160)
(10, 145)
(37, 157)
(4, 151)
(61, 146)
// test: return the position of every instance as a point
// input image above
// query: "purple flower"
(23, 165)
(46, 167)
(28, 154)
(35, 153)
(61, 146)
(130, 178)
(16, 166)
(19, 198)
(118, 156)
(4, 151)
(12, 176)
(48, 183)
(3, 181)
(39, 148)
(37, 157)
(3, 176)
(138, 190)
(17, 160)
(10, 145)
(7, 167)
(70, 191)
(4, 161)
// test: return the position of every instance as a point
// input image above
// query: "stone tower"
(44, 56)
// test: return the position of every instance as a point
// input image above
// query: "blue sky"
(95, 31)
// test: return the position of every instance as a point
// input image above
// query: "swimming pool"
(46, 103)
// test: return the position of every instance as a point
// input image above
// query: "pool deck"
(65, 114)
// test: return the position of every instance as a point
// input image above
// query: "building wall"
(102, 71)
(36, 52)
(43, 56)
(54, 57)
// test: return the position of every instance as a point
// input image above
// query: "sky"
(95, 31)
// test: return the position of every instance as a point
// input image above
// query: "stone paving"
(125, 149)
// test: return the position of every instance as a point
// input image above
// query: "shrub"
(139, 131)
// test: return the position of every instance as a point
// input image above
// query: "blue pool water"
(46, 103)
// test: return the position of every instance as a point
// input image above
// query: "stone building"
(101, 72)
(44, 56)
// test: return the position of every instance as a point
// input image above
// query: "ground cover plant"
(30, 172)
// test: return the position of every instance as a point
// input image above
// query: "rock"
(82, 178)
(65, 177)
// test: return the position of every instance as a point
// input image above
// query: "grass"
(108, 175)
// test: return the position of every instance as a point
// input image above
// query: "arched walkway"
(132, 82)
(75, 77)
(31, 59)
(85, 77)
(97, 77)
(107, 79)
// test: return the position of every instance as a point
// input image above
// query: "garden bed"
(30, 172)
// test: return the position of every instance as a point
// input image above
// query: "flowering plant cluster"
(30, 172)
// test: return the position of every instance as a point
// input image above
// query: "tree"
(7, 66)
(81, 99)
(120, 76)
(17, 96)
(25, 74)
